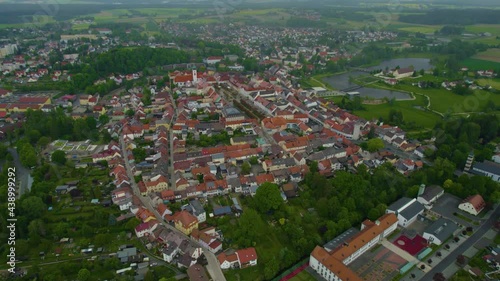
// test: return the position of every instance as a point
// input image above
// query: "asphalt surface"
(451, 258)
(22, 173)
(213, 266)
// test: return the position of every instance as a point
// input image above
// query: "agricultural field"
(492, 54)
(421, 28)
(479, 64)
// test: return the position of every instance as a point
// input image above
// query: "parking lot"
(447, 205)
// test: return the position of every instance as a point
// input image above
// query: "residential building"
(196, 272)
(185, 222)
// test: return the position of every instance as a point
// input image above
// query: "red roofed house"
(473, 204)
(247, 257)
(145, 228)
(5, 93)
(185, 222)
(227, 261)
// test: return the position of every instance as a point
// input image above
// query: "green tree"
(83, 274)
(268, 197)
(246, 168)
(271, 268)
(139, 154)
(43, 142)
(375, 144)
(59, 157)
(32, 207)
(253, 160)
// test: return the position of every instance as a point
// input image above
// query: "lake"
(342, 81)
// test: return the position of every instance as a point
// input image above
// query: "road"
(451, 258)
(213, 264)
(23, 176)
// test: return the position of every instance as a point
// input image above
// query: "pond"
(342, 81)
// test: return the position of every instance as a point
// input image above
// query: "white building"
(407, 210)
(333, 265)
(473, 204)
(439, 231)
(427, 195)
(487, 169)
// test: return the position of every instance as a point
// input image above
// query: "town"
(226, 156)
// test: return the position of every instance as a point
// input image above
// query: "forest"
(455, 16)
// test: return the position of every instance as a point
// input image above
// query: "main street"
(451, 258)
(213, 264)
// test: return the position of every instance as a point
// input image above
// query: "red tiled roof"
(246, 255)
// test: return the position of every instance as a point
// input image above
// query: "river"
(341, 81)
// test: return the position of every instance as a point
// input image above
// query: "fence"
(294, 270)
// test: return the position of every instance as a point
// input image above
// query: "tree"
(104, 119)
(59, 157)
(246, 168)
(268, 197)
(253, 160)
(375, 144)
(139, 154)
(83, 274)
(129, 112)
(43, 142)
(33, 207)
(271, 268)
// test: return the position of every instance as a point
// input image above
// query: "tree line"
(455, 16)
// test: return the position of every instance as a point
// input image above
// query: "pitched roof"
(185, 218)
(246, 255)
(476, 201)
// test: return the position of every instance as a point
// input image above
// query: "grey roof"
(412, 210)
(197, 207)
(442, 228)
(398, 204)
(339, 240)
(431, 192)
(487, 166)
(224, 210)
(172, 247)
(127, 252)
(236, 204)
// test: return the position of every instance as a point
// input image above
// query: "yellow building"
(185, 222)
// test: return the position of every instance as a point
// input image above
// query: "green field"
(494, 29)
(420, 117)
(477, 64)
(303, 276)
(495, 83)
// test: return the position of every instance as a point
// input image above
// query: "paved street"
(213, 264)
(450, 259)
(23, 177)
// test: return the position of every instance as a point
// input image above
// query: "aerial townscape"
(250, 140)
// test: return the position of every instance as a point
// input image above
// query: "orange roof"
(334, 260)
(246, 255)
(185, 218)
(334, 265)
(230, 258)
(476, 201)
(365, 236)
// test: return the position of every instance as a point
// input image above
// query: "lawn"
(445, 101)
(478, 64)
(495, 83)
(303, 276)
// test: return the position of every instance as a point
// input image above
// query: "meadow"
(303, 276)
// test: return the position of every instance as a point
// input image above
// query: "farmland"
(492, 54)
(479, 64)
